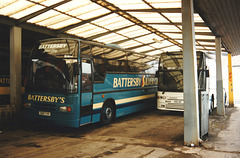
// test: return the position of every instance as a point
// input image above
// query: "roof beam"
(30, 16)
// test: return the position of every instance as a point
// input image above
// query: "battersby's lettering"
(48, 99)
(52, 46)
(126, 82)
(133, 82)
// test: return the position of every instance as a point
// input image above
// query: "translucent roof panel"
(24, 11)
(156, 52)
(11, 8)
(47, 2)
(133, 4)
(133, 31)
(44, 16)
(180, 41)
(87, 30)
(110, 38)
(142, 49)
(166, 28)
(130, 43)
(174, 35)
(148, 38)
(172, 48)
(65, 23)
(207, 43)
(165, 3)
(174, 17)
(53, 20)
(204, 37)
(112, 21)
(202, 29)
(90, 11)
(84, 10)
(149, 17)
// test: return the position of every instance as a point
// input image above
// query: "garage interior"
(144, 26)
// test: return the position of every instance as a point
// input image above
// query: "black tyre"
(107, 113)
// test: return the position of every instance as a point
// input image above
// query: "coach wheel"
(107, 113)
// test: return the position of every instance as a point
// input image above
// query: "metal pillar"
(191, 110)
(15, 68)
(220, 99)
(230, 81)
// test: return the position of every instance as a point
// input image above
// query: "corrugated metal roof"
(146, 26)
(223, 17)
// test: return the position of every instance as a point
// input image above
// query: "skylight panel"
(204, 37)
(64, 23)
(27, 11)
(54, 20)
(197, 18)
(174, 35)
(164, 43)
(156, 52)
(133, 4)
(86, 30)
(149, 17)
(10, 9)
(172, 48)
(207, 43)
(202, 29)
(112, 21)
(174, 17)
(133, 31)
(110, 38)
(73, 5)
(165, 3)
(148, 38)
(129, 44)
(90, 11)
(47, 2)
(142, 49)
(166, 28)
(44, 16)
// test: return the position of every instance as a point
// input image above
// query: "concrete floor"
(150, 134)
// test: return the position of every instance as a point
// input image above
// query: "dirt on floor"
(140, 134)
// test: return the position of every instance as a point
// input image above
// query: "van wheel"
(107, 113)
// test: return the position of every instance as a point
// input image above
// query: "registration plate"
(44, 113)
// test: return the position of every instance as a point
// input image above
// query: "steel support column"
(220, 99)
(230, 81)
(15, 68)
(191, 110)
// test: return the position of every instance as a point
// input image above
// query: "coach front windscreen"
(51, 67)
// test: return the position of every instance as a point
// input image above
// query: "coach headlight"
(65, 108)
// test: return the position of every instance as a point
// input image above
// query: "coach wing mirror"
(207, 73)
(76, 68)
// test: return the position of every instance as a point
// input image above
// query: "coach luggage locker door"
(86, 92)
